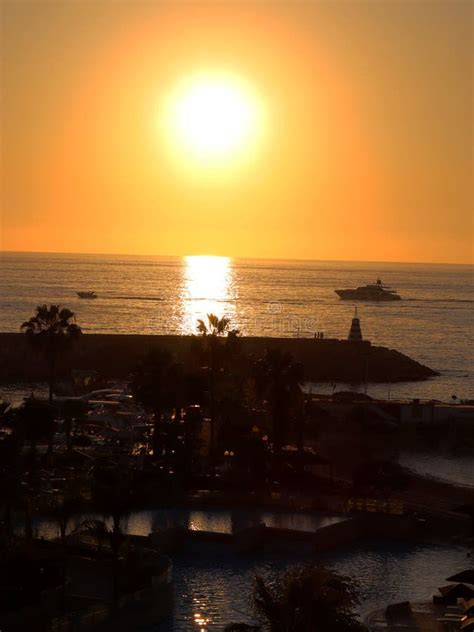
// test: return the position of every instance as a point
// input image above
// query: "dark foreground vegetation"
(212, 429)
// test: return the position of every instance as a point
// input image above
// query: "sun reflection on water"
(207, 289)
(200, 619)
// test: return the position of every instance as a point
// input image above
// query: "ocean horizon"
(235, 258)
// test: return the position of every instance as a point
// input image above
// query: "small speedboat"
(87, 295)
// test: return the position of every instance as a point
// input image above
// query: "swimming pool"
(216, 519)
(213, 586)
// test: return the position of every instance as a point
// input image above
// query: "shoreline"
(435, 479)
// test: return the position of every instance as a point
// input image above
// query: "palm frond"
(52, 321)
(201, 327)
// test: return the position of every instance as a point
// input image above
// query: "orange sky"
(366, 152)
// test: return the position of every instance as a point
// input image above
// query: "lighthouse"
(355, 334)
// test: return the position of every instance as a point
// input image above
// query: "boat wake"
(136, 298)
(285, 301)
(440, 300)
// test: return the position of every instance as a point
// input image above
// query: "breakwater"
(116, 355)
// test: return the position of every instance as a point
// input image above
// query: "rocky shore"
(115, 355)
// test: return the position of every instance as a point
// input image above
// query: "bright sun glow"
(213, 116)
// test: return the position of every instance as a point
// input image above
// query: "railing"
(373, 505)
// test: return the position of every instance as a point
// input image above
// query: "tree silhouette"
(158, 384)
(62, 510)
(215, 326)
(36, 419)
(308, 599)
(114, 493)
(11, 472)
(73, 412)
(213, 333)
(50, 329)
(278, 378)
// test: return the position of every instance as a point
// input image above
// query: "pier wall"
(116, 355)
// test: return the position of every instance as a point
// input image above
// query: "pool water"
(215, 519)
(213, 584)
(214, 587)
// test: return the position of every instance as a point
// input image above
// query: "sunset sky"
(346, 128)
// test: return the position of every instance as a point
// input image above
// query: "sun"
(213, 116)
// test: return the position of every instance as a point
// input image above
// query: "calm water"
(214, 589)
(213, 585)
(450, 467)
(218, 520)
(434, 323)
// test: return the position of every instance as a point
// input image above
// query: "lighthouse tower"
(355, 334)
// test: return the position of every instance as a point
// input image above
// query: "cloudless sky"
(366, 151)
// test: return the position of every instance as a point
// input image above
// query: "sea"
(433, 323)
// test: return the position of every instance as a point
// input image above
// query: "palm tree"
(215, 326)
(308, 599)
(212, 332)
(278, 379)
(115, 493)
(73, 413)
(158, 384)
(36, 422)
(62, 510)
(11, 472)
(51, 328)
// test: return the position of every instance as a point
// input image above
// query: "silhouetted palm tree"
(213, 331)
(73, 412)
(308, 599)
(158, 384)
(115, 493)
(63, 508)
(36, 419)
(11, 472)
(51, 328)
(278, 379)
(215, 326)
